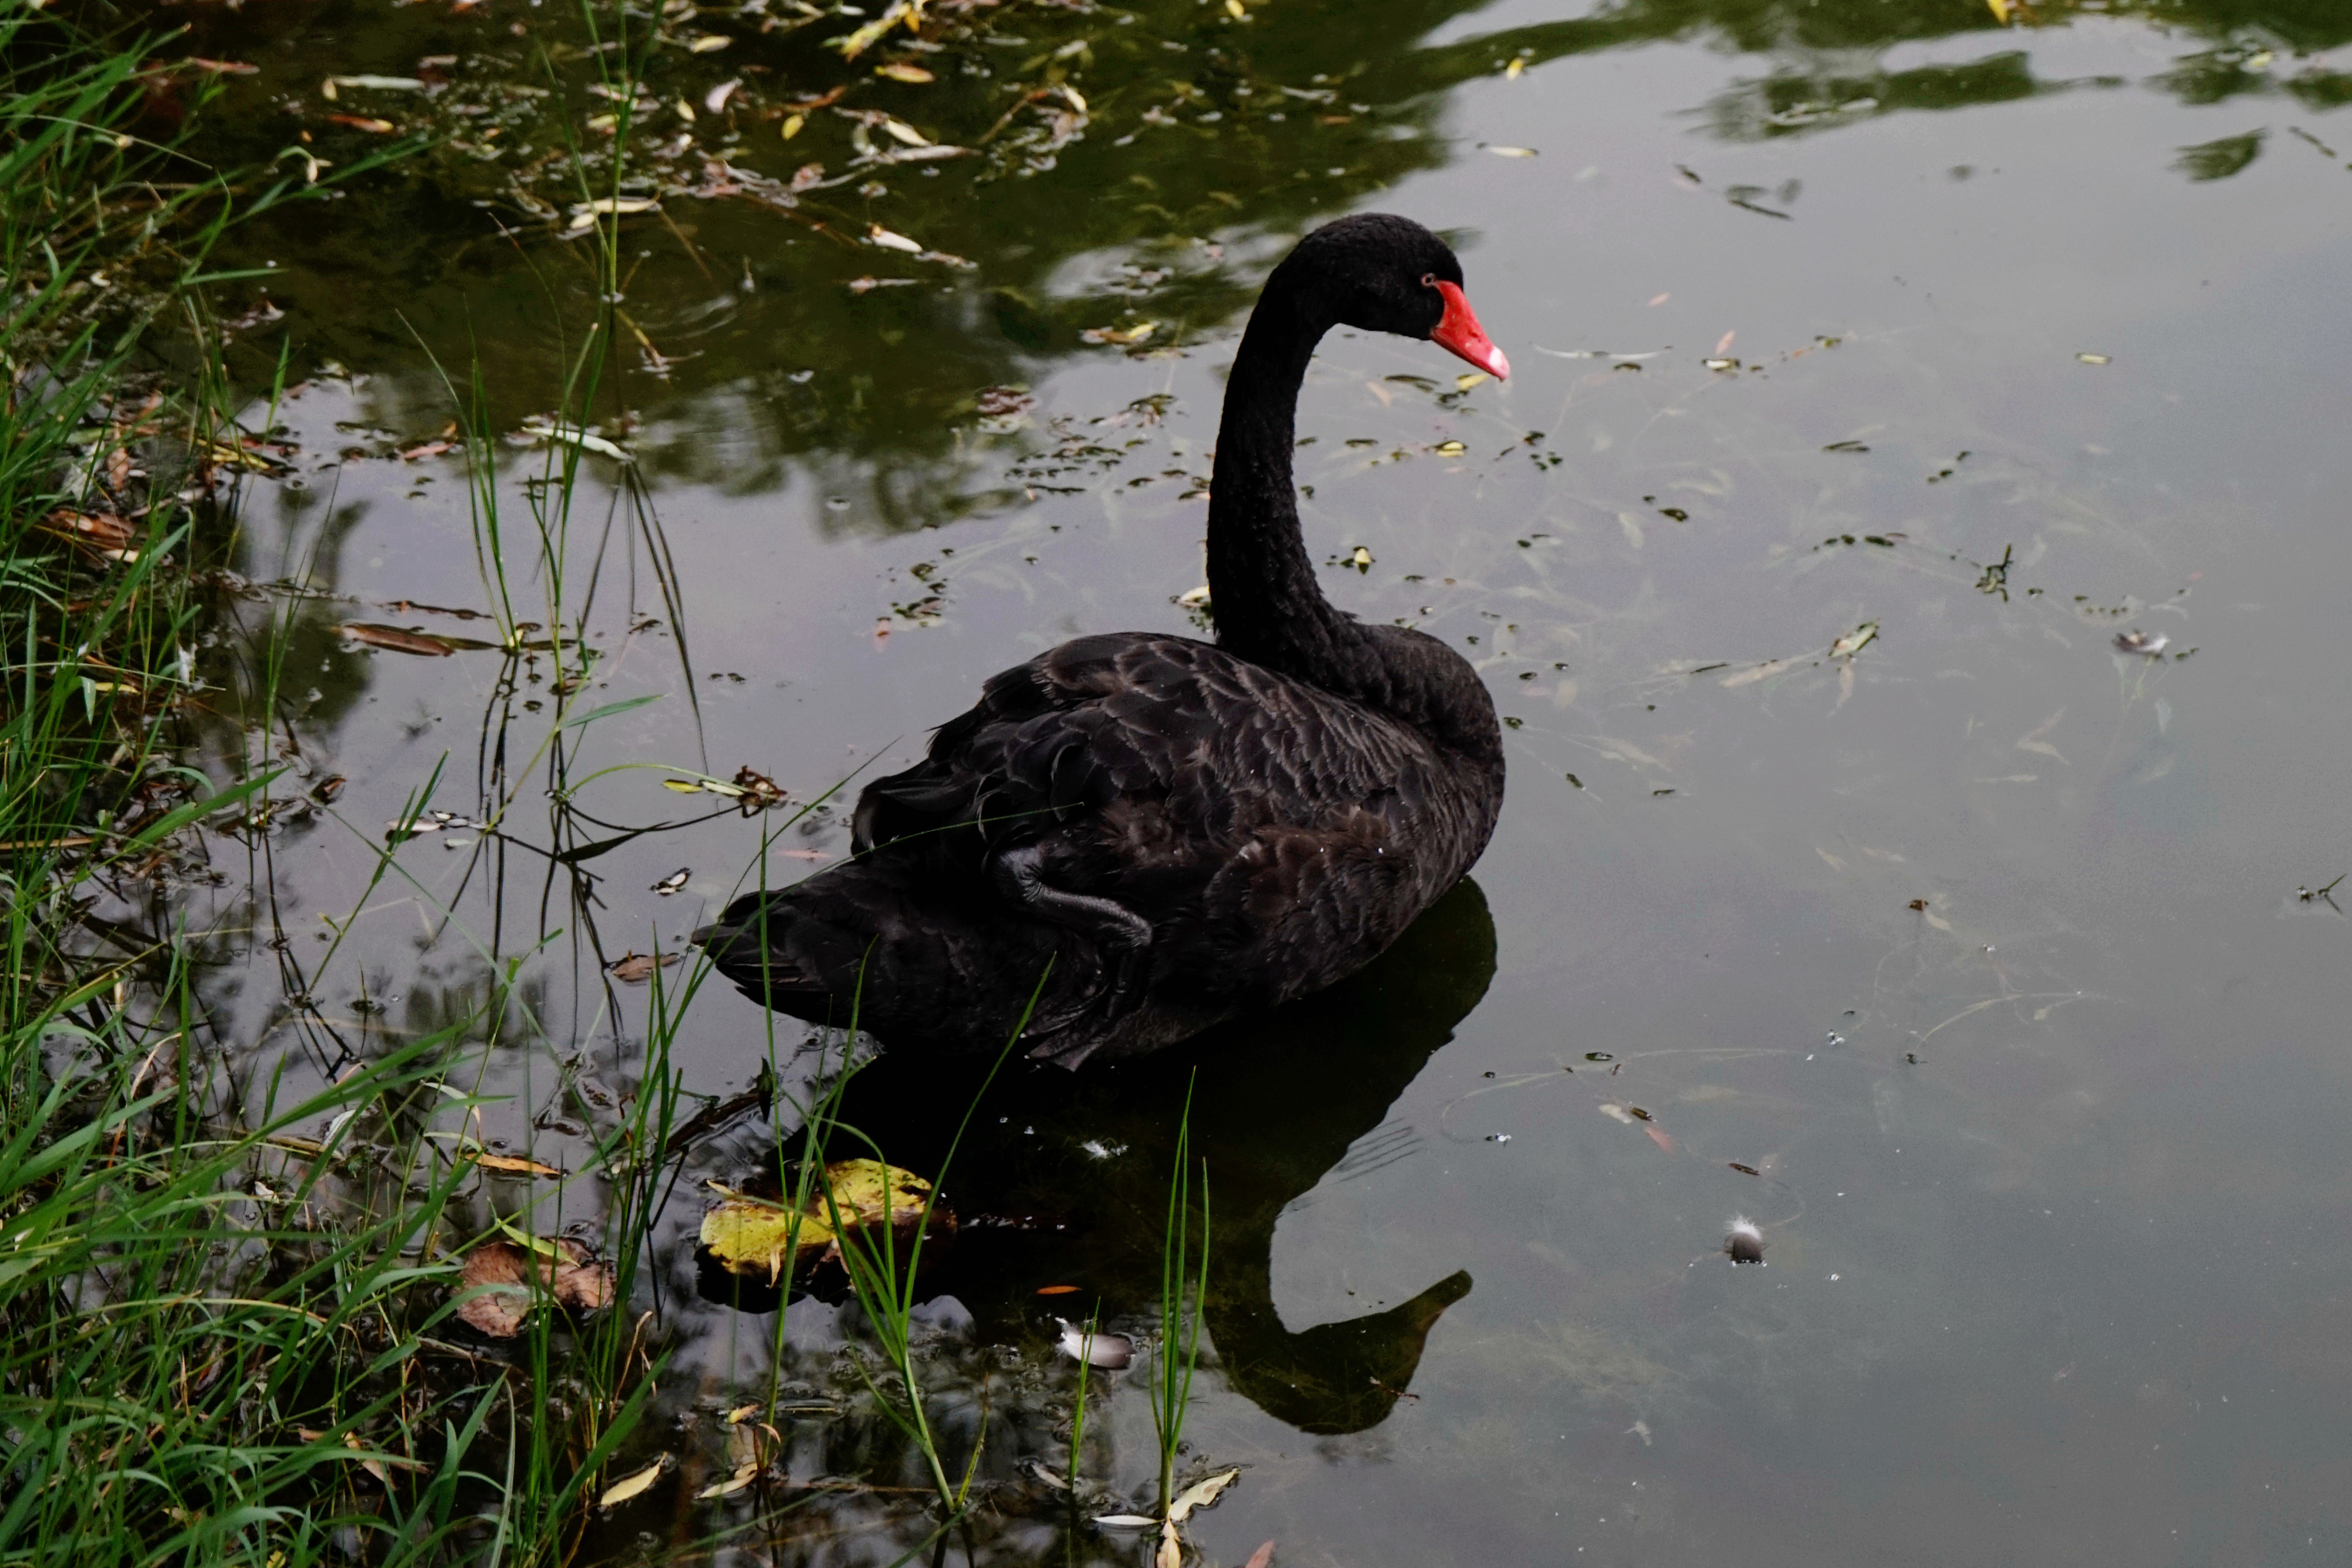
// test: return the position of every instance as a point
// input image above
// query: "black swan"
(1187, 830)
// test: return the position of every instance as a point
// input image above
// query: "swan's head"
(1381, 273)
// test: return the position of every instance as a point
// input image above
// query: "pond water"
(1972, 963)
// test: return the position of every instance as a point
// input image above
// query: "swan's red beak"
(1460, 332)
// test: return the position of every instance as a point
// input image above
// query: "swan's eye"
(1429, 280)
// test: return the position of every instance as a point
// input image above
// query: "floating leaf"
(1512, 151)
(497, 1271)
(1057, 1290)
(672, 882)
(1853, 642)
(707, 43)
(631, 1486)
(899, 131)
(1261, 1558)
(1469, 379)
(368, 123)
(745, 1474)
(513, 1164)
(715, 99)
(1125, 1521)
(374, 83)
(634, 969)
(1451, 449)
(1111, 1352)
(793, 123)
(392, 639)
(2152, 644)
(756, 1236)
(1618, 1113)
(2092, 358)
(899, 71)
(1744, 1170)
(877, 234)
(1201, 1494)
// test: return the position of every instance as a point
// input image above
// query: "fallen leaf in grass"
(100, 531)
(1853, 642)
(636, 968)
(1261, 1558)
(1617, 1114)
(368, 123)
(1111, 1352)
(498, 1271)
(758, 1237)
(393, 640)
(877, 234)
(707, 43)
(672, 882)
(514, 1163)
(1125, 1521)
(745, 1474)
(1201, 1494)
(898, 70)
(627, 1487)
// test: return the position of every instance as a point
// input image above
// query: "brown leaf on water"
(1658, 1136)
(634, 968)
(1743, 1170)
(514, 1165)
(427, 449)
(394, 640)
(1261, 1558)
(499, 1271)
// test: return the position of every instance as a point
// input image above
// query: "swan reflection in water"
(1062, 1178)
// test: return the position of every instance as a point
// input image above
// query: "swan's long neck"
(1269, 608)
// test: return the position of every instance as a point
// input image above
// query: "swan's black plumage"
(1187, 830)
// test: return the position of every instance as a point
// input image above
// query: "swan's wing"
(1147, 756)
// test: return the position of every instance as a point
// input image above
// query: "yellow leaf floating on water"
(1234, 9)
(901, 130)
(1511, 71)
(709, 43)
(2000, 9)
(793, 123)
(627, 1487)
(1202, 1493)
(756, 1236)
(898, 70)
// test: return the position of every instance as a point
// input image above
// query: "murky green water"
(1981, 948)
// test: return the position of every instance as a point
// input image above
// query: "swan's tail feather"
(864, 940)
